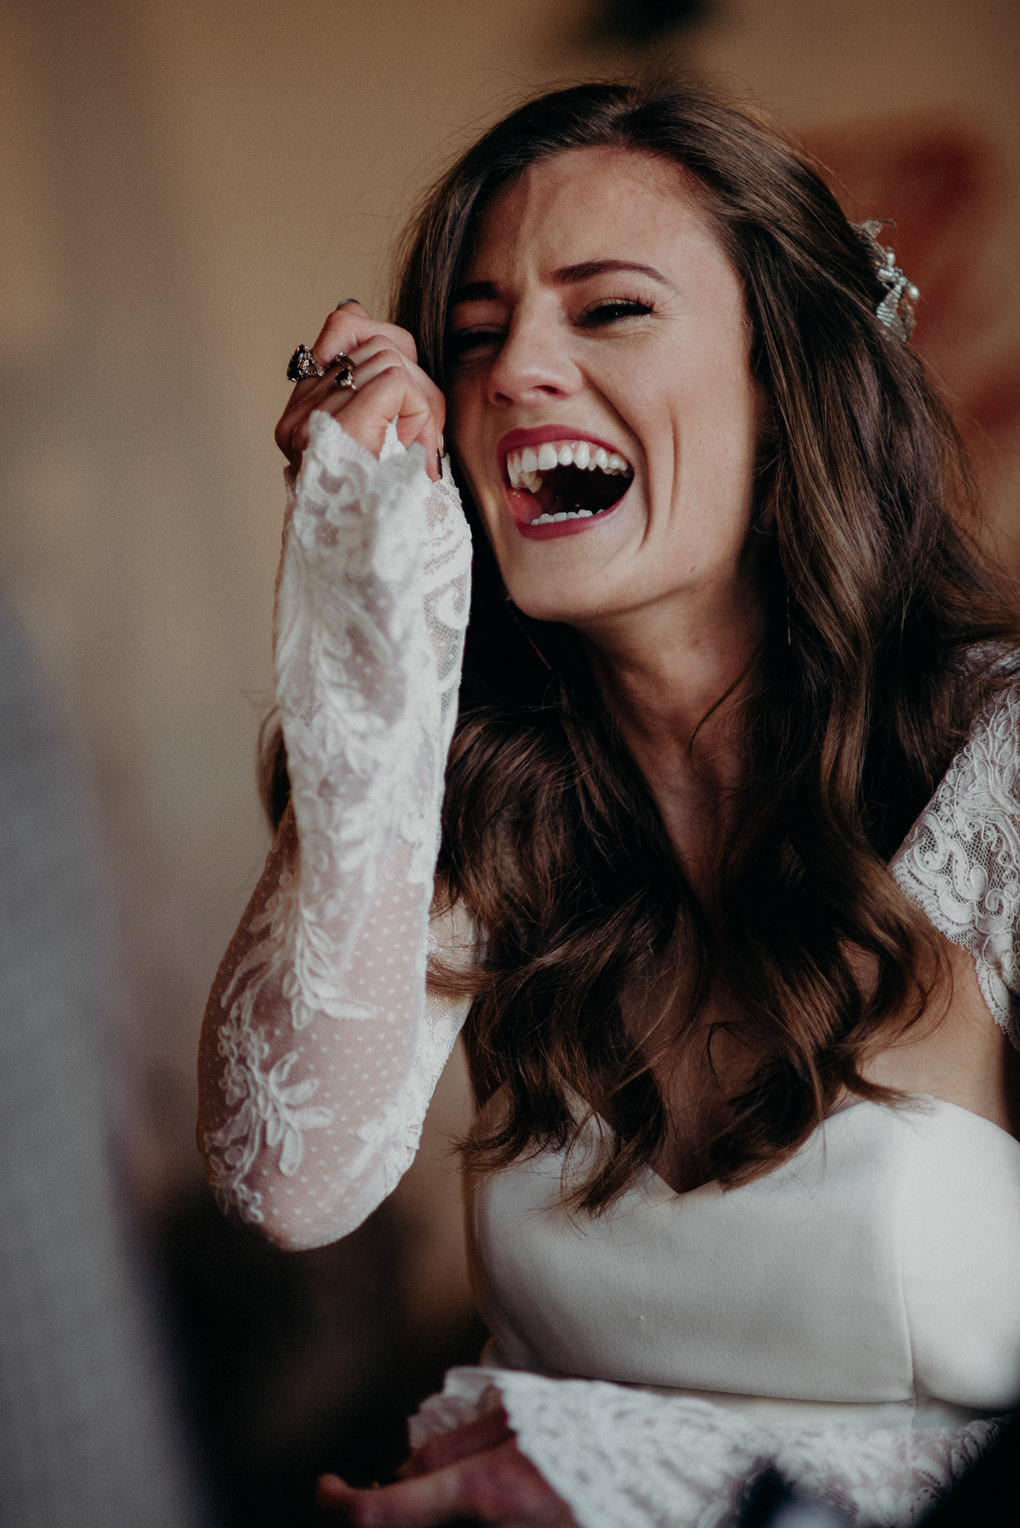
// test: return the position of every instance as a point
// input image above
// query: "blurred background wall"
(187, 186)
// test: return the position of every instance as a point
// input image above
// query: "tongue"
(569, 489)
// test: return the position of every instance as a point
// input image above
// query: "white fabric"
(960, 862)
(882, 1252)
(875, 1268)
(624, 1458)
(327, 1055)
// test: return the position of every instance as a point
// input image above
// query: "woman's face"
(600, 397)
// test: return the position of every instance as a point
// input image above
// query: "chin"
(557, 605)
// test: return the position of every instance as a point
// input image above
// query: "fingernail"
(343, 303)
(442, 446)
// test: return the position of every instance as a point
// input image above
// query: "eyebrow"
(567, 275)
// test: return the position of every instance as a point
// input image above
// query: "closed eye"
(612, 311)
(463, 344)
(471, 343)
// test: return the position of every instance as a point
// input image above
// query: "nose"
(533, 362)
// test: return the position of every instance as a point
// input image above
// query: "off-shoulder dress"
(850, 1316)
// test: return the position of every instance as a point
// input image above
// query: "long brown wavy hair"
(887, 638)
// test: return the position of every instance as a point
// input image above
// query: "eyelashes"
(464, 343)
(469, 343)
(610, 311)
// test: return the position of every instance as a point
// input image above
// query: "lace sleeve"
(623, 1457)
(320, 1050)
(960, 862)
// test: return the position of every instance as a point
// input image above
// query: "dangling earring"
(514, 614)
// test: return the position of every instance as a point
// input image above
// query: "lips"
(558, 481)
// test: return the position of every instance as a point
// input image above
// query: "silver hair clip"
(896, 310)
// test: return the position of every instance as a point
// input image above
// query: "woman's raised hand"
(387, 383)
(474, 1474)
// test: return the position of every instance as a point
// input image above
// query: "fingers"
(350, 326)
(377, 357)
(387, 392)
(426, 1503)
(447, 1448)
(498, 1486)
(388, 385)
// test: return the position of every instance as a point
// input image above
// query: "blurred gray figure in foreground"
(88, 1434)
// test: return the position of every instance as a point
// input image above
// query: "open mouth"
(568, 479)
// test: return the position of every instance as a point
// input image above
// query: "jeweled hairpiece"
(896, 310)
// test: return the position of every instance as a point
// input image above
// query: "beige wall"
(186, 186)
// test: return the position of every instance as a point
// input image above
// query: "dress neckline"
(926, 1104)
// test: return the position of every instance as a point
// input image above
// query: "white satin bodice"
(874, 1272)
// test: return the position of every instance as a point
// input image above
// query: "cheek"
(489, 522)
(461, 433)
(481, 501)
(462, 418)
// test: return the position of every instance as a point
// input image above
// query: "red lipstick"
(526, 508)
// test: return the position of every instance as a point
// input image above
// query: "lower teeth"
(565, 514)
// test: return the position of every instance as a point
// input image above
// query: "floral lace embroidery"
(960, 862)
(623, 1457)
(265, 1108)
(371, 607)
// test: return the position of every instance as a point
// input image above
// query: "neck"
(676, 689)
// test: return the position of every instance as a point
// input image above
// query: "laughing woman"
(717, 867)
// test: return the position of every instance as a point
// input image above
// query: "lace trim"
(372, 602)
(960, 862)
(621, 1457)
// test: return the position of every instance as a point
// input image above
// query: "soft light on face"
(600, 398)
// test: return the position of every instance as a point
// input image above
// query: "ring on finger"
(303, 365)
(344, 378)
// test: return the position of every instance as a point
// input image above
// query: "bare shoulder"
(956, 1051)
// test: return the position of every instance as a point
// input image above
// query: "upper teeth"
(524, 468)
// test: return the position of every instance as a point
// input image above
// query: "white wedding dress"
(850, 1316)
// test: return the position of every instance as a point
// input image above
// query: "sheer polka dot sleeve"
(320, 1049)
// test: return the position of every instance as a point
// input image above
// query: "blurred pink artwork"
(944, 186)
